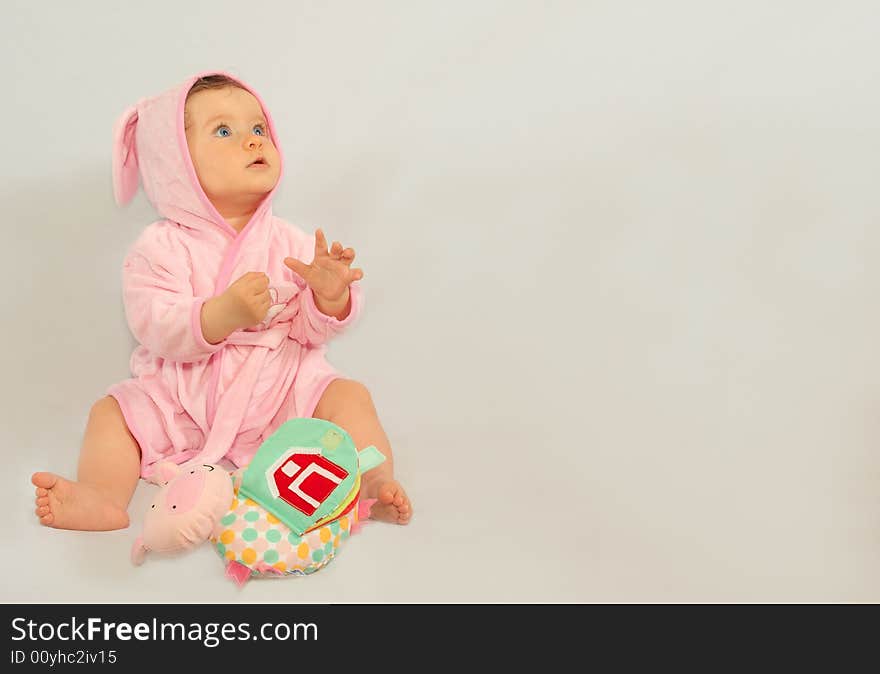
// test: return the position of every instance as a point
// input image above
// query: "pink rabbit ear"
(125, 161)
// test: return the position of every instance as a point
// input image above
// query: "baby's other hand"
(247, 300)
(330, 273)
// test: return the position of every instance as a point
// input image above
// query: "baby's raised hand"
(330, 272)
(247, 300)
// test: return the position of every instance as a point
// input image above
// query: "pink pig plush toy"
(187, 510)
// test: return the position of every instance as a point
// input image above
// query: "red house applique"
(304, 478)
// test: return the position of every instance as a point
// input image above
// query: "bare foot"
(392, 504)
(63, 504)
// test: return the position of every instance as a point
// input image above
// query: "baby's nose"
(254, 141)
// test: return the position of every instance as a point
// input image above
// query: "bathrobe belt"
(234, 404)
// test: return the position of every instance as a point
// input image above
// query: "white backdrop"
(619, 265)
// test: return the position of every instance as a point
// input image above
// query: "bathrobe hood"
(149, 146)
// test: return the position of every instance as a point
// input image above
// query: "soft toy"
(186, 511)
(286, 513)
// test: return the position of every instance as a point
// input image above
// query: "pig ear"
(138, 550)
(125, 161)
(166, 471)
(162, 472)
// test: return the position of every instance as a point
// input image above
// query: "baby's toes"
(387, 493)
(42, 501)
(44, 480)
(47, 519)
(404, 510)
(40, 492)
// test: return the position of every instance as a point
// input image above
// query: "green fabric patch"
(335, 445)
(369, 458)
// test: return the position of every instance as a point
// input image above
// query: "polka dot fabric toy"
(254, 538)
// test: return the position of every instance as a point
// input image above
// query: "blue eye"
(223, 128)
(259, 128)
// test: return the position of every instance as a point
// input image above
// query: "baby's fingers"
(251, 283)
(265, 302)
(320, 243)
(297, 266)
(259, 283)
(347, 255)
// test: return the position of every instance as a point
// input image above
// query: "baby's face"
(226, 132)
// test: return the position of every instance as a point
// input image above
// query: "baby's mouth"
(258, 162)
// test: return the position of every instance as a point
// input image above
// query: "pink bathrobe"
(189, 400)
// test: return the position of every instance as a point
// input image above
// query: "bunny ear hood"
(125, 164)
(149, 146)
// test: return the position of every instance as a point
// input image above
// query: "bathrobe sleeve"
(163, 312)
(310, 327)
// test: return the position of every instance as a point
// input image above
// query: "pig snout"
(184, 493)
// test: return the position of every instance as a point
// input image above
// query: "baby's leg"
(348, 404)
(109, 469)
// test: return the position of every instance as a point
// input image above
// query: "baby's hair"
(209, 82)
(212, 82)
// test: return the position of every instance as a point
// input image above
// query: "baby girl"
(232, 308)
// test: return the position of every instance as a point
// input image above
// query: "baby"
(232, 308)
